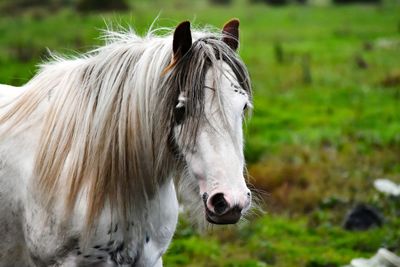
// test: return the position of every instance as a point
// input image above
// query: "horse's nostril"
(219, 203)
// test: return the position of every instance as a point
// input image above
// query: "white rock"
(387, 187)
(384, 258)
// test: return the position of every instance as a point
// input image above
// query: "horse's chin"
(230, 217)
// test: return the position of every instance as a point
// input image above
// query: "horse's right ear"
(231, 34)
(182, 40)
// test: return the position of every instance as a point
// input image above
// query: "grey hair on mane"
(107, 132)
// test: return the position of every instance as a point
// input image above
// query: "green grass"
(275, 241)
(326, 121)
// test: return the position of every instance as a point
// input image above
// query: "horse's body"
(28, 237)
(43, 224)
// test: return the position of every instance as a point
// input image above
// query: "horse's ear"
(231, 34)
(182, 40)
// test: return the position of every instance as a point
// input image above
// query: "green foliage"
(105, 5)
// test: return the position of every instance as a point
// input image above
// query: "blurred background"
(326, 124)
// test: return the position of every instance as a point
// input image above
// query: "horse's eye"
(179, 114)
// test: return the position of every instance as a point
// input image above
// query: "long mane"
(106, 129)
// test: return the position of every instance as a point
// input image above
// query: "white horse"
(91, 148)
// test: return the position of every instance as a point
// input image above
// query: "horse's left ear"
(231, 34)
(182, 40)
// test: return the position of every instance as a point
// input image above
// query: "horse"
(94, 148)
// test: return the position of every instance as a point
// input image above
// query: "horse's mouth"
(230, 217)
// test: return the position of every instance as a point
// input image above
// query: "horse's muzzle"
(223, 213)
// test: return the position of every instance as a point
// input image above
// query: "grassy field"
(326, 121)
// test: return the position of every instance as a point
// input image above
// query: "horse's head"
(210, 110)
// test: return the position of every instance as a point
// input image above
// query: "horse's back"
(8, 92)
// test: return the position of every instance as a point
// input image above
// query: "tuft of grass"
(298, 179)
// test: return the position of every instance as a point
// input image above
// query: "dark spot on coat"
(136, 259)
(120, 247)
(36, 259)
